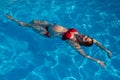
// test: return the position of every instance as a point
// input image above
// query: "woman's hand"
(101, 63)
(109, 53)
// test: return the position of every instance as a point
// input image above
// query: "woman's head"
(87, 41)
(84, 40)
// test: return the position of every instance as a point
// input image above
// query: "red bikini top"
(68, 35)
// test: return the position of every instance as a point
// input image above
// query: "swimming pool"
(25, 55)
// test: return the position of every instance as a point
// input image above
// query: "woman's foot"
(13, 19)
(9, 17)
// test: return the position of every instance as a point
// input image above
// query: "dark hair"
(87, 43)
(81, 42)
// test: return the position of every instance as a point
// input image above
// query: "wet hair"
(87, 44)
(81, 42)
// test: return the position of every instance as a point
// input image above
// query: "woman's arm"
(78, 48)
(103, 48)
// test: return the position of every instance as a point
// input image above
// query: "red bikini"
(68, 35)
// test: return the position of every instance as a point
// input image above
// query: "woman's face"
(87, 39)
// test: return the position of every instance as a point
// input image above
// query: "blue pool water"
(25, 55)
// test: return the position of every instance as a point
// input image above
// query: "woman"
(72, 36)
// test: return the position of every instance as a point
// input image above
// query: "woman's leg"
(17, 21)
(40, 23)
(33, 24)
